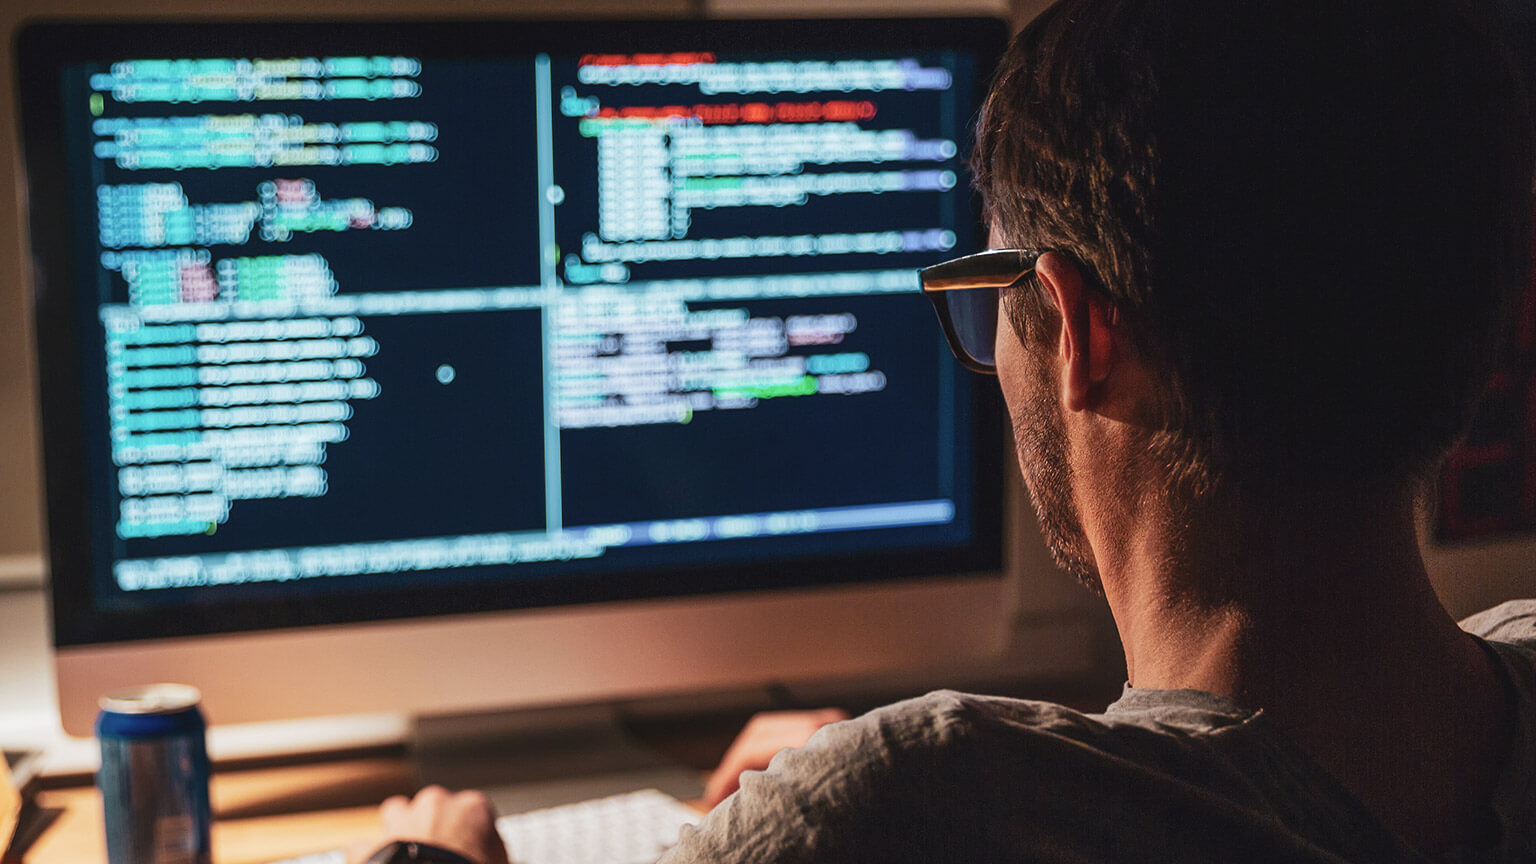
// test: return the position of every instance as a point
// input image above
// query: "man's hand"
(763, 737)
(462, 822)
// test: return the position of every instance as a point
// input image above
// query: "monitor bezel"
(45, 48)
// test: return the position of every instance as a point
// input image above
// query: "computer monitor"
(448, 366)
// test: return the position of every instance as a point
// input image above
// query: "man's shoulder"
(1510, 630)
(953, 723)
(946, 715)
(1513, 622)
(968, 741)
(953, 720)
(1166, 732)
(959, 776)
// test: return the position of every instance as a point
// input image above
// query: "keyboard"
(633, 828)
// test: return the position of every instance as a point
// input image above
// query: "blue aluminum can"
(154, 775)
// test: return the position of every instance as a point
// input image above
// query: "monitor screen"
(347, 322)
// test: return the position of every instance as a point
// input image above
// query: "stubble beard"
(1040, 437)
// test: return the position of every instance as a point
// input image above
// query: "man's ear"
(1087, 338)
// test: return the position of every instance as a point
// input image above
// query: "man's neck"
(1205, 596)
(1322, 615)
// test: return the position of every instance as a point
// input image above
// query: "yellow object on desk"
(10, 806)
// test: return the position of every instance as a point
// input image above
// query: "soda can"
(154, 775)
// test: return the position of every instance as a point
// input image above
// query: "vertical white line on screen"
(548, 258)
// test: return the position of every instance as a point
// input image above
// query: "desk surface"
(272, 813)
(263, 814)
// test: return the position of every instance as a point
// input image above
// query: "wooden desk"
(261, 815)
(272, 813)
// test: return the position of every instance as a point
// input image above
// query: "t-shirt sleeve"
(1513, 622)
(847, 795)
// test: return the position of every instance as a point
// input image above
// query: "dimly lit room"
(601, 432)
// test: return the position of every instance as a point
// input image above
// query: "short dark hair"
(1315, 214)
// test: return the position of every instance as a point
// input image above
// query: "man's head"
(1310, 216)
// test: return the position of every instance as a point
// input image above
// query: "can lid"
(151, 699)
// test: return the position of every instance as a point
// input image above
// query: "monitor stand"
(527, 760)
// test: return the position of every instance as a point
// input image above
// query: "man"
(1281, 241)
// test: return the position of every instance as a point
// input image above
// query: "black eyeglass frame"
(993, 271)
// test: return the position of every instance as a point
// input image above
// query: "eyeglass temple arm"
(997, 268)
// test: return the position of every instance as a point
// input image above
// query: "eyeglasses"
(965, 293)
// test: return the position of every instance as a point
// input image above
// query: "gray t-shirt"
(1161, 775)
